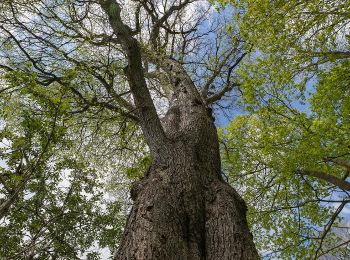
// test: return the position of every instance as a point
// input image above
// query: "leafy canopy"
(290, 153)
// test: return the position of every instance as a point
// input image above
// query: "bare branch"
(159, 22)
(215, 74)
(229, 86)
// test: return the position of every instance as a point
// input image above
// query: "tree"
(52, 202)
(290, 153)
(96, 71)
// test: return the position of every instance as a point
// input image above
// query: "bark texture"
(182, 207)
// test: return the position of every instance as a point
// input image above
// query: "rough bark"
(182, 208)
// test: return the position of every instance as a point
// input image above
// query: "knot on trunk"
(136, 187)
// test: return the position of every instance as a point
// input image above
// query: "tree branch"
(342, 184)
(149, 120)
(215, 74)
(340, 162)
(159, 22)
(228, 86)
(329, 225)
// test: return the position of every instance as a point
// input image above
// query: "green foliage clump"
(295, 92)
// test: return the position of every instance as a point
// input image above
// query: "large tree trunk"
(182, 207)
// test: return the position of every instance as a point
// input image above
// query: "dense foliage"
(53, 185)
(290, 151)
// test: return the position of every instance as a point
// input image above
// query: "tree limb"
(340, 162)
(215, 74)
(328, 226)
(342, 184)
(228, 86)
(149, 120)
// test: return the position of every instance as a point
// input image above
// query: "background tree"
(291, 152)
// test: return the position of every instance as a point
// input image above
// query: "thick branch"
(217, 96)
(340, 162)
(336, 54)
(342, 184)
(150, 123)
(174, 69)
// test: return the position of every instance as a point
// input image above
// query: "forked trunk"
(182, 207)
